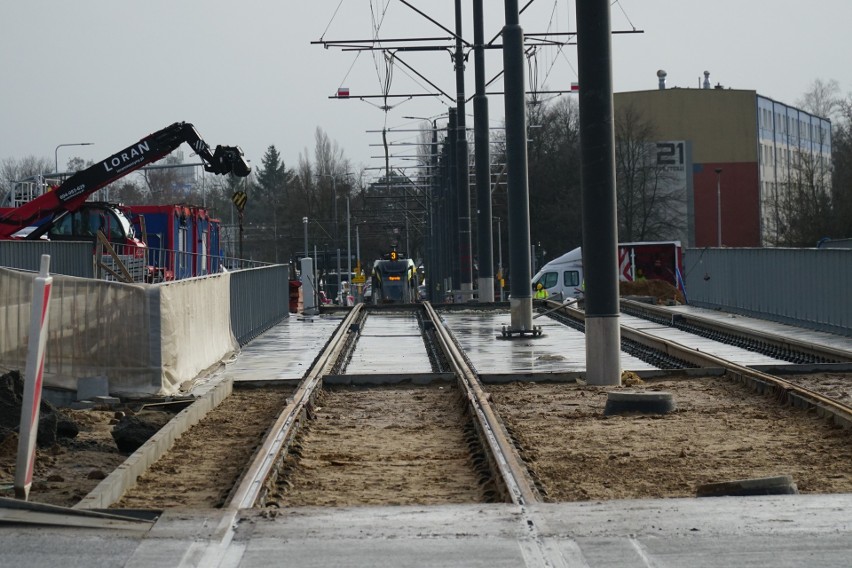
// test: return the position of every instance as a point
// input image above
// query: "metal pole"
(453, 247)
(339, 279)
(597, 174)
(719, 207)
(348, 245)
(481, 148)
(463, 168)
(500, 257)
(56, 152)
(334, 201)
(516, 169)
(435, 268)
(305, 223)
(316, 278)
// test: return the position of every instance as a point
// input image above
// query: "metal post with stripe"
(34, 373)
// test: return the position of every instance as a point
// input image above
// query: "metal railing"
(89, 259)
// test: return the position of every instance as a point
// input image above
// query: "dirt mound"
(664, 292)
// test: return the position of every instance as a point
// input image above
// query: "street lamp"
(56, 152)
(719, 207)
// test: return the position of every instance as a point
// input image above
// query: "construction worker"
(540, 292)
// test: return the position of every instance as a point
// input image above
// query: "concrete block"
(82, 405)
(106, 400)
(90, 387)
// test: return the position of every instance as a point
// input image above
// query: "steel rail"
(786, 391)
(252, 485)
(823, 351)
(501, 450)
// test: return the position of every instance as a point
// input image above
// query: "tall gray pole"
(334, 203)
(481, 148)
(435, 271)
(339, 280)
(520, 303)
(462, 168)
(597, 173)
(348, 245)
(358, 246)
(305, 223)
(500, 255)
(453, 216)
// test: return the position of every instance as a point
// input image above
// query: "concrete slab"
(390, 344)
(561, 349)
(703, 344)
(285, 352)
(771, 532)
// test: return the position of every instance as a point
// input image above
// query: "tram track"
(774, 385)
(454, 418)
(457, 414)
(771, 345)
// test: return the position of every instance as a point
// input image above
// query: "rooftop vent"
(661, 76)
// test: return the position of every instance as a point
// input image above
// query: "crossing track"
(783, 390)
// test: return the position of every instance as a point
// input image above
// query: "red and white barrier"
(33, 380)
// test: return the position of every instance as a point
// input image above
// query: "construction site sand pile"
(662, 291)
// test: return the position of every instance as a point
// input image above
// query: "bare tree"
(803, 209)
(649, 203)
(13, 170)
(804, 206)
(554, 177)
(841, 185)
(823, 99)
(168, 185)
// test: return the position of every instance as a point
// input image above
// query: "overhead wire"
(331, 20)
(624, 12)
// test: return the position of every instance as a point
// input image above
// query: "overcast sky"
(245, 73)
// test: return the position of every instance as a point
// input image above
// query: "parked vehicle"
(563, 277)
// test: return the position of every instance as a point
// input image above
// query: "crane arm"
(74, 191)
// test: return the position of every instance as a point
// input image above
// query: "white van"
(653, 260)
(562, 277)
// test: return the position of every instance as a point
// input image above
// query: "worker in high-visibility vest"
(540, 292)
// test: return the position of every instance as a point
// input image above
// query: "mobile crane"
(49, 209)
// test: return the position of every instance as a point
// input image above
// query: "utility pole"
(485, 242)
(462, 169)
(453, 216)
(597, 174)
(520, 303)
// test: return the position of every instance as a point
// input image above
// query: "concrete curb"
(124, 476)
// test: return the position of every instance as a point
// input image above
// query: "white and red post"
(33, 380)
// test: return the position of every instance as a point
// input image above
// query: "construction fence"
(146, 339)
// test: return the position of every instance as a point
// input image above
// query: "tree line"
(391, 210)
